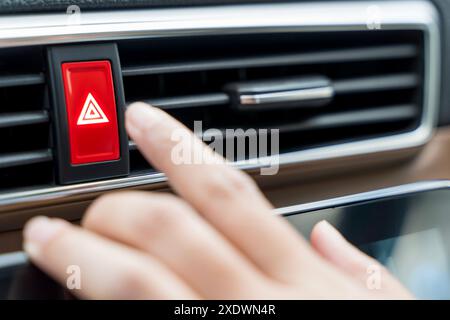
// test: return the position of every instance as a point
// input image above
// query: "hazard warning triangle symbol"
(91, 112)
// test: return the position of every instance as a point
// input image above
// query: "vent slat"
(24, 158)
(21, 80)
(378, 83)
(379, 115)
(200, 100)
(132, 145)
(347, 86)
(331, 56)
(23, 118)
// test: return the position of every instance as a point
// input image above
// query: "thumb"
(332, 246)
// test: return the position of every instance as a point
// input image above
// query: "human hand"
(218, 239)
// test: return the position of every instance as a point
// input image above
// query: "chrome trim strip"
(20, 257)
(365, 196)
(21, 30)
(287, 96)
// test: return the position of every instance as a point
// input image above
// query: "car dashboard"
(355, 89)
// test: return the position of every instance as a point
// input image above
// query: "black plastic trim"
(21, 80)
(23, 118)
(23, 158)
(15, 6)
(390, 52)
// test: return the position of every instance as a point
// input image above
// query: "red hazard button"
(91, 112)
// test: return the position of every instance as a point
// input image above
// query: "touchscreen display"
(419, 260)
(410, 235)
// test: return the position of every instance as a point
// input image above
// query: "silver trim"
(21, 30)
(13, 259)
(287, 96)
(365, 196)
(20, 257)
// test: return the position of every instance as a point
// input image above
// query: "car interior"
(356, 89)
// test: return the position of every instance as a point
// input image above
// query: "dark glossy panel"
(408, 234)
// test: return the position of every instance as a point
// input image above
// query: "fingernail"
(39, 231)
(325, 224)
(333, 239)
(141, 116)
(329, 231)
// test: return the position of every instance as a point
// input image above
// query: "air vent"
(334, 88)
(25, 154)
(375, 80)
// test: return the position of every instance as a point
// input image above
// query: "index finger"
(225, 196)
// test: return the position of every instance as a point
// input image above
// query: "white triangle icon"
(91, 112)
